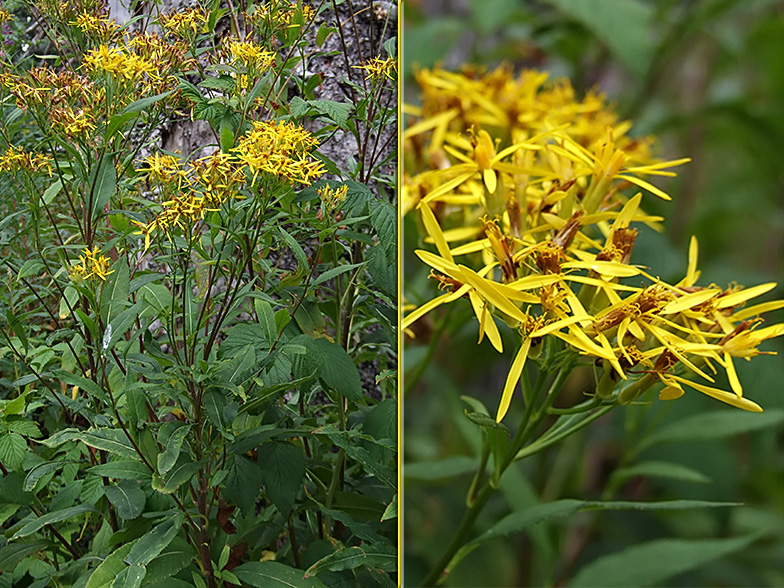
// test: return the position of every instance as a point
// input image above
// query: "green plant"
(198, 349)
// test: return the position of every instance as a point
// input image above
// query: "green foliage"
(197, 358)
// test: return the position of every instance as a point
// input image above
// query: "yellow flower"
(118, 62)
(280, 149)
(16, 158)
(378, 69)
(90, 265)
(183, 24)
(251, 55)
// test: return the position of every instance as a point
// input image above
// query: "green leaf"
(334, 365)
(52, 518)
(114, 291)
(103, 184)
(714, 425)
(128, 499)
(182, 471)
(16, 326)
(298, 107)
(12, 554)
(39, 471)
(336, 111)
(111, 440)
(120, 324)
(659, 469)
(296, 249)
(153, 543)
(383, 217)
(12, 450)
(623, 25)
(177, 556)
(130, 577)
(391, 510)
(242, 482)
(383, 472)
(283, 468)
(171, 452)
(521, 520)
(655, 562)
(333, 273)
(271, 574)
(349, 558)
(309, 317)
(105, 573)
(144, 103)
(383, 272)
(122, 470)
(266, 320)
(88, 386)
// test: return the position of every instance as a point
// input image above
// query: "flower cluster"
(377, 69)
(90, 265)
(280, 149)
(250, 55)
(522, 190)
(332, 198)
(17, 159)
(279, 15)
(98, 27)
(185, 24)
(192, 190)
(118, 62)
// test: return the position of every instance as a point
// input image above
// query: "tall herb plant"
(198, 349)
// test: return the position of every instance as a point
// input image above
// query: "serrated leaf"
(12, 450)
(52, 518)
(153, 543)
(272, 574)
(336, 111)
(283, 468)
(242, 482)
(337, 369)
(127, 498)
(383, 217)
(653, 563)
(713, 425)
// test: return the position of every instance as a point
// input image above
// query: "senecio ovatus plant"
(181, 402)
(529, 197)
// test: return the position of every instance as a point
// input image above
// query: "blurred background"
(707, 78)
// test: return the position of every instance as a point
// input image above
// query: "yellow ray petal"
(689, 300)
(758, 309)
(732, 375)
(491, 180)
(643, 184)
(721, 395)
(512, 378)
(743, 295)
(605, 268)
(434, 230)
